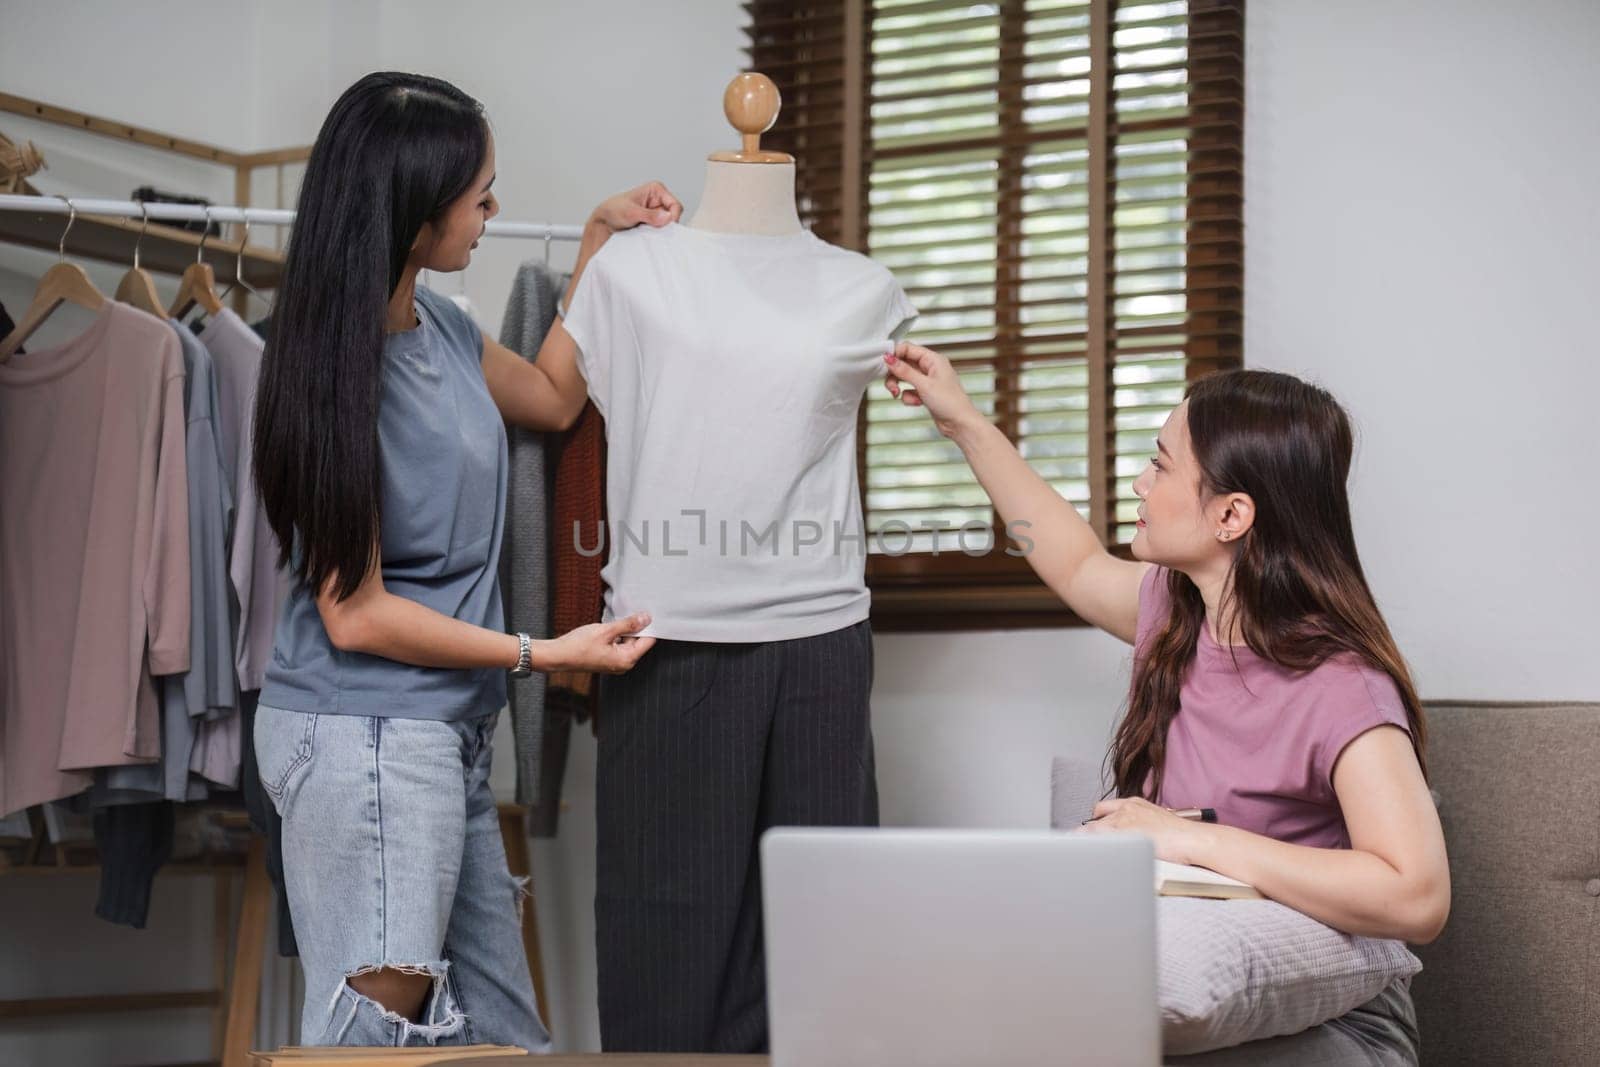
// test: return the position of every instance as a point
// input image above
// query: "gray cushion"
(1515, 978)
(1233, 971)
(1242, 970)
(1380, 1033)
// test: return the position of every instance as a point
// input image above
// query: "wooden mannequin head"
(751, 103)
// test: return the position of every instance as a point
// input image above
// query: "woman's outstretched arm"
(549, 393)
(1064, 550)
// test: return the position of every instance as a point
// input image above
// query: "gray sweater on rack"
(525, 557)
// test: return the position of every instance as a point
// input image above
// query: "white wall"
(1422, 227)
(1420, 239)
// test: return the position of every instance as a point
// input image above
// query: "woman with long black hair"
(380, 457)
(1266, 684)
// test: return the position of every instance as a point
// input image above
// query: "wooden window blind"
(1058, 186)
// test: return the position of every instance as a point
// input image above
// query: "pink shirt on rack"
(94, 552)
(1258, 742)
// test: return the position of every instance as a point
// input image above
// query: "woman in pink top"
(1266, 684)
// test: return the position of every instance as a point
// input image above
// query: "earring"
(1222, 535)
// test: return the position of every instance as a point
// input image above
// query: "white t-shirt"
(729, 369)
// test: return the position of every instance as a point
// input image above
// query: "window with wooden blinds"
(1058, 186)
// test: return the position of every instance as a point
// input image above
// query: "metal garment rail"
(254, 216)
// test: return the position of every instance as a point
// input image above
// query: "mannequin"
(754, 709)
(749, 191)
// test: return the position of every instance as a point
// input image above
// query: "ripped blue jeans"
(393, 858)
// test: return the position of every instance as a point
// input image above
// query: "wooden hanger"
(138, 289)
(238, 278)
(199, 282)
(63, 283)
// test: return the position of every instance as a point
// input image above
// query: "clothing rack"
(110, 230)
(252, 216)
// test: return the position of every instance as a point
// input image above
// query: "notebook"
(1182, 880)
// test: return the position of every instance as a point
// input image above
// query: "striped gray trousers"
(702, 747)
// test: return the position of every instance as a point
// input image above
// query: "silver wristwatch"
(524, 665)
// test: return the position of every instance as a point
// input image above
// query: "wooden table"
(490, 1057)
(621, 1059)
(644, 1059)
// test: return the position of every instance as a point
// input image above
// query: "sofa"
(1515, 977)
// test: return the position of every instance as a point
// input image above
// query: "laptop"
(927, 948)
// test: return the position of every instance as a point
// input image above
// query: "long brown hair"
(1296, 588)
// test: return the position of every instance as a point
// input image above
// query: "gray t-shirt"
(442, 460)
(252, 552)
